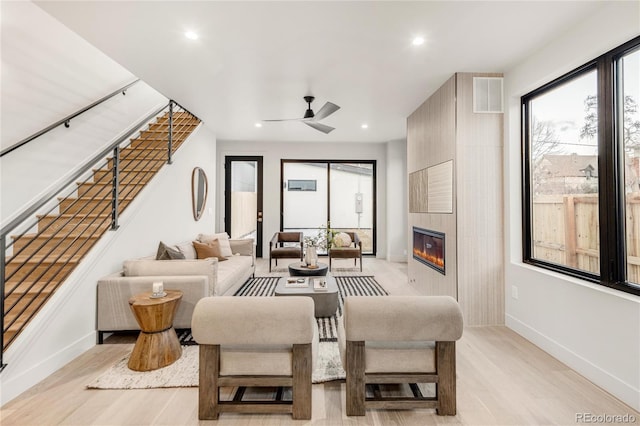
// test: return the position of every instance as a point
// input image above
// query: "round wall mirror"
(199, 190)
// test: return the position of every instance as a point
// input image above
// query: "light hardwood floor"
(502, 380)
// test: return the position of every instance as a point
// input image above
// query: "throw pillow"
(223, 237)
(168, 253)
(211, 249)
(187, 249)
(342, 239)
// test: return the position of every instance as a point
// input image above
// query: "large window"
(343, 198)
(581, 171)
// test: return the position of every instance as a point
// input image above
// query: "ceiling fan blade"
(327, 109)
(319, 126)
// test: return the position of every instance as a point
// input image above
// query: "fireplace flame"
(436, 260)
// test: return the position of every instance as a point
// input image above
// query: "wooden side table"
(157, 345)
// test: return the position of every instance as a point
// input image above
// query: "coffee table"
(302, 270)
(326, 301)
(157, 345)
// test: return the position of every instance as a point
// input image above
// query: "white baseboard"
(20, 381)
(612, 384)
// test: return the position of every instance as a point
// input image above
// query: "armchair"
(413, 341)
(353, 251)
(255, 341)
(278, 249)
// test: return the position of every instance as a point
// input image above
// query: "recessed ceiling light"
(418, 41)
(365, 126)
(191, 35)
(258, 124)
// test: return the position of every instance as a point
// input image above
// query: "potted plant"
(321, 241)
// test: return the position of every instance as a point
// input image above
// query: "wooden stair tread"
(101, 199)
(43, 258)
(26, 286)
(60, 235)
(135, 169)
(71, 215)
(110, 183)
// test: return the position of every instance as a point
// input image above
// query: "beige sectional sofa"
(196, 278)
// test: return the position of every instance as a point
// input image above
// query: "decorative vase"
(311, 256)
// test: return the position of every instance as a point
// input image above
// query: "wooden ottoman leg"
(446, 370)
(302, 382)
(355, 378)
(208, 393)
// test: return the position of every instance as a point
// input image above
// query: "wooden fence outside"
(243, 221)
(566, 232)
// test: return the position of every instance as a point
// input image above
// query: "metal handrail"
(66, 120)
(64, 237)
(61, 186)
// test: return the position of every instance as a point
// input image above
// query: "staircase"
(42, 255)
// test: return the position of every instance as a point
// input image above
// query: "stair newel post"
(3, 248)
(114, 189)
(170, 133)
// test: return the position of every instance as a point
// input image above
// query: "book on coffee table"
(320, 284)
(297, 282)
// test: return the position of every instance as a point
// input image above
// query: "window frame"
(611, 195)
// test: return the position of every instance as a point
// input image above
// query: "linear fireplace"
(428, 248)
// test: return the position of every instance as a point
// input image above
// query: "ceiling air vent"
(487, 94)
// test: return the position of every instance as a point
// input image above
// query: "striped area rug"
(327, 327)
(347, 286)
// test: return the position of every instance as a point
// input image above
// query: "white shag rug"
(184, 372)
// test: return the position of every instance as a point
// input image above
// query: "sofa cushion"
(210, 249)
(230, 272)
(242, 247)
(168, 253)
(146, 267)
(400, 357)
(269, 360)
(223, 237)
(187, 249)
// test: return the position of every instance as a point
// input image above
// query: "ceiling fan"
(311, 119)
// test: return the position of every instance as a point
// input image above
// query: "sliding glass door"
(337, 194)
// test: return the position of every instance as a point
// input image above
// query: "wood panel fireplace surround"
(428, 248)
(444, 128)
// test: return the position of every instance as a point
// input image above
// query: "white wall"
(397, 201)
(594, 330)
(48, 71)
(273, 152)
(66, 326)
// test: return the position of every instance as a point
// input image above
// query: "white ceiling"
(256, 60)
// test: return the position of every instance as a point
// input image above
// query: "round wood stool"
(157, 345)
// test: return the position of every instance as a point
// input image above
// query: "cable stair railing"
(41, 247)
